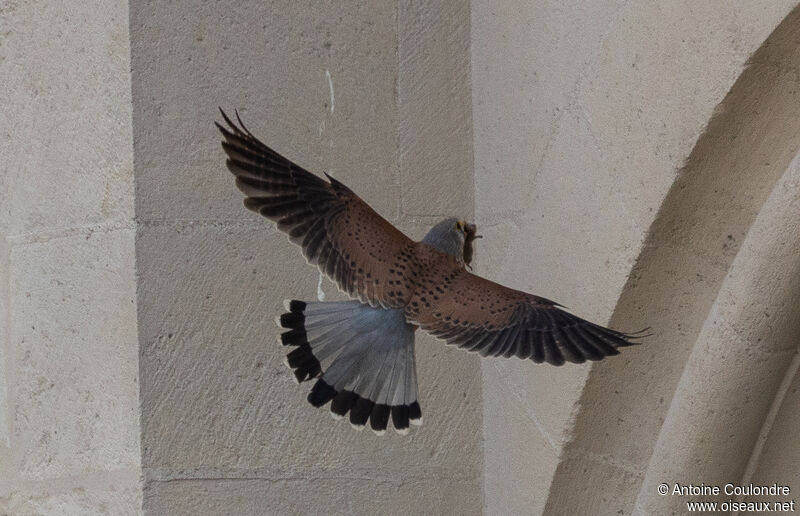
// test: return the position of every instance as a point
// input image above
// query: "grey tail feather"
(362, 358)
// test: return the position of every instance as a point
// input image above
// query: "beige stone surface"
(339, 495)
(72, 299)
(579, 134)
(622, 158)
(216, 398)
(691, 246)
(512, 447)
(69, 418)
(271, 61)
(434, 109)
(5, 348)
(109, 493)
(373, 94)
(742, 356)
(777, 454)
(65, 66)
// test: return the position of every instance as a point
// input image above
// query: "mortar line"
(159, 476)
(46, 235)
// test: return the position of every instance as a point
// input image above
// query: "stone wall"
(377, 95)
(69, 407)
(634, 161)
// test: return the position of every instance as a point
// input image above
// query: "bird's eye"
(460, 225)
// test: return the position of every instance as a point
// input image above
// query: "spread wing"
(349, 242)
(479, 315)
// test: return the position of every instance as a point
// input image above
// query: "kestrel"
(361, 352)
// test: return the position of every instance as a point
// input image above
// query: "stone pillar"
(374, 93)
(69, 411)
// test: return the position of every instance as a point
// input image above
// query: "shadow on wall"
(675, 288)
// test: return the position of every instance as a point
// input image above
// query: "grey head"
(453, 236)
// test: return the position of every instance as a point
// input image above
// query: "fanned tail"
(362, 358)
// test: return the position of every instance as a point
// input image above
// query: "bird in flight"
(361, 352)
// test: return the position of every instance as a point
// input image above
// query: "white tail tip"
(287, 303)
(402, 431)
(378, 432)
(335, 416)
(416, 422)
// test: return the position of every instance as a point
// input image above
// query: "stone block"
(527, 59)
(516, 435)
(216, 399)
(434, 109)
(780, 454)
(608, 488)
(118, 494)
(345, 494)
(312, 80)
(66, 115)
(73, 333)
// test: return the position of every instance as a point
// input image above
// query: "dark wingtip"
(241, 124)
(227, 120)
(641, 334)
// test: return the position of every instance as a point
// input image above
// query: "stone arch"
(740, 365)
(691, 247)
